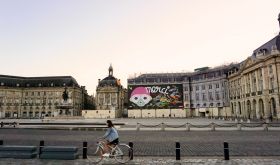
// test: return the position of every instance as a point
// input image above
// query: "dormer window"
(51, 84)
(2, 84)
(17, 85)
(39, 84)
(28, 85)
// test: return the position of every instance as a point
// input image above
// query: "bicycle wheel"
(97, 155)
(122, 153)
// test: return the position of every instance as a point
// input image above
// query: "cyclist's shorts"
(116, 141)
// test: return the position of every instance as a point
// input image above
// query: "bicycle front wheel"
(123, 153)
(97, 155)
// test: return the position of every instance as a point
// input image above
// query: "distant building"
(35, 97)
(109, 99)
(254, 83)
(200, 93)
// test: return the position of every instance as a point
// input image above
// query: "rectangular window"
(210, 86)
(217, 96)
(203, 97)
(203, 87)
(197, 96)
(197, 88)
(217, 86)
(210, 95)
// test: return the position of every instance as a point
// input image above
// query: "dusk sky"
(80, 38)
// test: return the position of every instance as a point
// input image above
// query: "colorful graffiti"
(155, 96)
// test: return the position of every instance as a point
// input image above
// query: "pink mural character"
(140, 96)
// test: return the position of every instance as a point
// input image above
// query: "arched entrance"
(239, 109)
(232, 110)
(261, 109)
(249, 109)
(273, 110)
(254, 109)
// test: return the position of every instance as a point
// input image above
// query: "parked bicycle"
(122, 153)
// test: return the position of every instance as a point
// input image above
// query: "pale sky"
(81, 38)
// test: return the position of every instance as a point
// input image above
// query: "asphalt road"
(158, 143)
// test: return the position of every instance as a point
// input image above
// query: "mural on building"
(155, 96)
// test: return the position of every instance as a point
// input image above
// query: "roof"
(268, 46)
(51, 81)
(109, 81)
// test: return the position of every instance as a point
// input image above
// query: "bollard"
(265, 127)
(226, 151)
(42, 143)
(84, 150)
(130, 144)
(1, 142)
(212, 126)
(162, 127)
(239, 127)
(188, 126)
(178, 151)
(138, 126)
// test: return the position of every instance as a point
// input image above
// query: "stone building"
(109, 99)
(35, 97)
(203, 92)
(254, 83)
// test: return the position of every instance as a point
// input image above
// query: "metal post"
(84, 150)
(178, 151)
(42, 143)
(1, 142)
(226, 151)
(131, 151)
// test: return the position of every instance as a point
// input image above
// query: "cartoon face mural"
(140, 96)
(155, 96)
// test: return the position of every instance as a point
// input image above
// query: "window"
(26, 93)
(32, 93)
(203, 97)
(197, 88)
(210, 95)
(210, 86)
(272, 83)
(197, 96)
(203, 87)
(217, 85)
(217, 96)
(270, 69)
(38, 93)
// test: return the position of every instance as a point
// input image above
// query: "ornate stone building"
(254, 83)
(110, 97)
(34, 97)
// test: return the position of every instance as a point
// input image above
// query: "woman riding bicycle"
(111, 137)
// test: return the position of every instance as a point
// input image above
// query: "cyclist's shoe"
(106, 155)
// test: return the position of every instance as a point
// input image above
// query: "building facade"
(203, 93)
(35, 97)
(109, 99)
(254, 83)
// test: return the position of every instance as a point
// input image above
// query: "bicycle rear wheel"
(97, 155)
(123, 153)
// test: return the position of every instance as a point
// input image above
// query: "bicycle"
(121, 152)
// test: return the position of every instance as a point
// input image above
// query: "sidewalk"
(151, 161)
